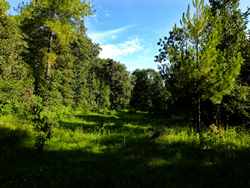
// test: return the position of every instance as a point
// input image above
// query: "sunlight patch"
(158, 162)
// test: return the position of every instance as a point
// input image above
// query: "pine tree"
(206, 73)
(234, 41)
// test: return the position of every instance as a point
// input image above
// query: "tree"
(50, 27)
(85, 53)
(197, 66)
(148, 92)
(233, 41)
(119, 82)
(15, 86)
(245, 70)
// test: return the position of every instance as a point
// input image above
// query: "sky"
(128, 30)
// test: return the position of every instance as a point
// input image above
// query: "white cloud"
(121, 49)
(109, 34)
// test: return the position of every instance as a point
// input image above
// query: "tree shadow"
(118, 123)
(122, 122)
(12, 138)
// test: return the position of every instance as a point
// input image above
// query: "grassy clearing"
(96, 150)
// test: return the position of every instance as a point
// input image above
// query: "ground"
(117, 150)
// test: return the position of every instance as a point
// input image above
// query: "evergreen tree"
(206, 73)
(233, 41)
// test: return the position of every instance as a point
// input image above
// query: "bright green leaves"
(14, 73)
(50, 28)
(49, 57)
(201, 59)
(74, 9)
(4, 6)
(215, 74)
(223, 80)
(64, 32)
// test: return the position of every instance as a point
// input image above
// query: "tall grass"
(117, 150)
(80, 138)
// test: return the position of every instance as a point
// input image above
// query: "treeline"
(49, 66)
(47, 56)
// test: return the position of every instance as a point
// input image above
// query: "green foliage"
(4, 7)
(15, 83)
(149, 93)
(118, 79)
(84, 150)
(50, 27)
(245, 70)
(236, 106)
(234, 44)
(51, 81)
(202, 65)
(85, 53)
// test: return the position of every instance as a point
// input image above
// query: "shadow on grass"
(10, 138)
(135, 163)
(119, 123)
(139, 118)
(104, 127)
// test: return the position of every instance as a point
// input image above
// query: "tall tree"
(50, 27)
(197, 61)
(85, 53)
(119, 82)
(233, 41)
(15, 85)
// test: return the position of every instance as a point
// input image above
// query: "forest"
(69, 118)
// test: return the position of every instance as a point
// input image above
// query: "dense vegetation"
(70, 118)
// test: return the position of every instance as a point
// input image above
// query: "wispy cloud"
(121, 49)
(100, 36)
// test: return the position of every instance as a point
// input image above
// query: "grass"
(97, 150)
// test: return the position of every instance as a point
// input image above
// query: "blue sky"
(128, 30)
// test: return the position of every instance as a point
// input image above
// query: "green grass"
(96, 150)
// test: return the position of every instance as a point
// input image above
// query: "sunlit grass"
(91, 138)
(119, 145)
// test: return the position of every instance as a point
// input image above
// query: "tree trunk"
(37, 82)
(198, 126)
(198, 123)
(48, 67)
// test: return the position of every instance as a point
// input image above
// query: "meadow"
(117, 150)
